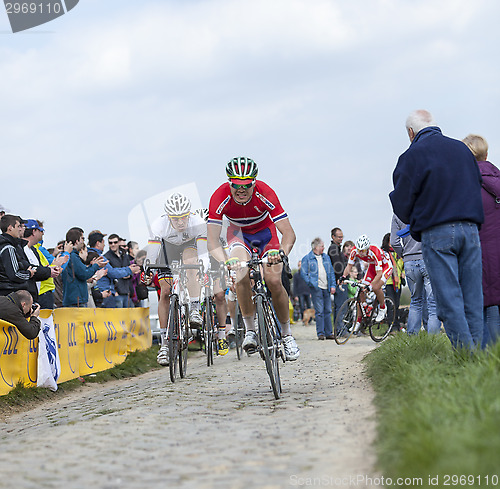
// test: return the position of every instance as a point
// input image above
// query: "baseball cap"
(33, 224)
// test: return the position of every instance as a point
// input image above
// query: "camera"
(34, 307)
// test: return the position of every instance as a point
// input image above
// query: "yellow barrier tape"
(88, 341)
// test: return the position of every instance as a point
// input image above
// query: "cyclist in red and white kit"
(379, 270)
(255, 214)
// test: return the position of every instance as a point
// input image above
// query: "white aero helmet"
(363, 242)
(177, 205)
(203, 213)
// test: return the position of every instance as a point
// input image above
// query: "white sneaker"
(250, 342)
(292, 351)
(195, 318)
(162, 357)
(381, 315)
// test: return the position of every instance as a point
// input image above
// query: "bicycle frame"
(270, 345)
(178, 328)
(210, 319)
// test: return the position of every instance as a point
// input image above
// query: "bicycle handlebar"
(265, 261)
(173, 266)
(355, 283)
(188, 267)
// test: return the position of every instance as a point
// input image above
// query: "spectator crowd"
(73, 274)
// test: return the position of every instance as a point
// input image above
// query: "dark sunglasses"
(113, 242)
(246, 185)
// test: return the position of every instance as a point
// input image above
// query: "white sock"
(286, 330)
(249, 323)
(163, 336)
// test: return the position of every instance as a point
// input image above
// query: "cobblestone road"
(220, 427)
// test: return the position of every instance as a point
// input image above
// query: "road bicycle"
(269, 340)
(210, 327)
(345, 320)
(239, 331)
(178, 329)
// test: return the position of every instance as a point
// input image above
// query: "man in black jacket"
(118, 258)
(15, 269)
(16, 308)
(339, 262)
(301, 291)
(16, 272)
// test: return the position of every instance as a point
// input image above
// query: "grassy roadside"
(22, 398)
(438, 411)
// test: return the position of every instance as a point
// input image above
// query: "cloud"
(128, 98)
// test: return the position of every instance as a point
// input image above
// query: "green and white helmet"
(241, 169)
(177, 205)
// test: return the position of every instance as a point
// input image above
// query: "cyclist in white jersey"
(178, 235)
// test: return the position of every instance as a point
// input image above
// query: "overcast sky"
(119, 100)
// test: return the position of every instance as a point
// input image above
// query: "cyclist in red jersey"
(379, 270)
(254, 213)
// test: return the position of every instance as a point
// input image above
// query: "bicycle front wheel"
(380, 331)
(173, 336)
(184, 340)
(268, 333)
(239, 331)
(208, 332)
(345, 320)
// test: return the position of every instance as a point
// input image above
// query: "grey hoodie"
(406, 246)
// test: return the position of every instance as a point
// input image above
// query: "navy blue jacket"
(436, 181)
(299, 285)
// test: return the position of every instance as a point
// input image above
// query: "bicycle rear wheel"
(184, 339)
(380, 331)
(215, 329)
(268, 333)
(173, 336)
(208, 332)
(239, 331)
(345, 321)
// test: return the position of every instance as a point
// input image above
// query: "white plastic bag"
(49, 366)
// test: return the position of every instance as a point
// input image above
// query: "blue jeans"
(121, 301)
(323, 309)
(452, 255)
(339, 298)
(109, 302)
(304, 303)
(420, 287)
(491, 332)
